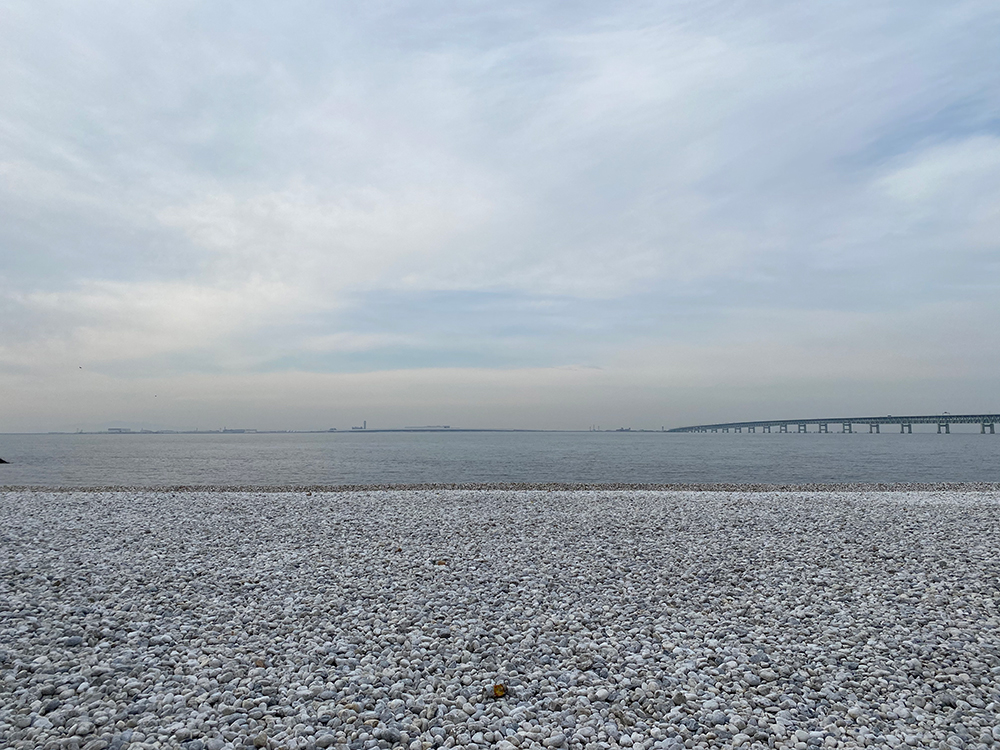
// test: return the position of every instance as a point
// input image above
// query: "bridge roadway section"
(943, 422)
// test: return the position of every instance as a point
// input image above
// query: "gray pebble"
(495, 618)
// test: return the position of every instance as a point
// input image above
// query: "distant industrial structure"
(986, 422)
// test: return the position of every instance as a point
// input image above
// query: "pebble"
(209, 620)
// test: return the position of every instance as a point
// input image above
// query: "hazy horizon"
(530, 215)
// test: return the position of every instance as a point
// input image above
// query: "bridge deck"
(986, 420)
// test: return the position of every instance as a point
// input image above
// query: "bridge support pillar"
(905, 428)
(946, 426)
(824, 427)
(783, 428)
(751, 428)
(737, 429)
(803, 427)
(986, 426)
(848, 427)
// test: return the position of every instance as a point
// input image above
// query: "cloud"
(352, 240)
(105, 324)
(242, 189)
(951, 189)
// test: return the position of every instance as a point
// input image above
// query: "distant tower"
(365, 425)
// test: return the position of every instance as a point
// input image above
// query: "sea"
(445, 457)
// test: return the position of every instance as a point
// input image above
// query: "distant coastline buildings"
(943, 423)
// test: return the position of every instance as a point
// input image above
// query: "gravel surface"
(499, 618)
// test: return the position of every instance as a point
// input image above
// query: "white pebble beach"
(482, 618)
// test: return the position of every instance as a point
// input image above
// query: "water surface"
(461, 457)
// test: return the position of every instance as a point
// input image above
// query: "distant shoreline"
(350, 431)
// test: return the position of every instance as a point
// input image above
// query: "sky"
(302, 215)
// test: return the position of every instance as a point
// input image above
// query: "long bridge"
(943, 422)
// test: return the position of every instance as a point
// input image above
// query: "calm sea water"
(378, 458)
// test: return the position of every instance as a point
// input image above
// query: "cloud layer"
(579, 213)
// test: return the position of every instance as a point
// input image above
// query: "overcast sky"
(538, 214)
